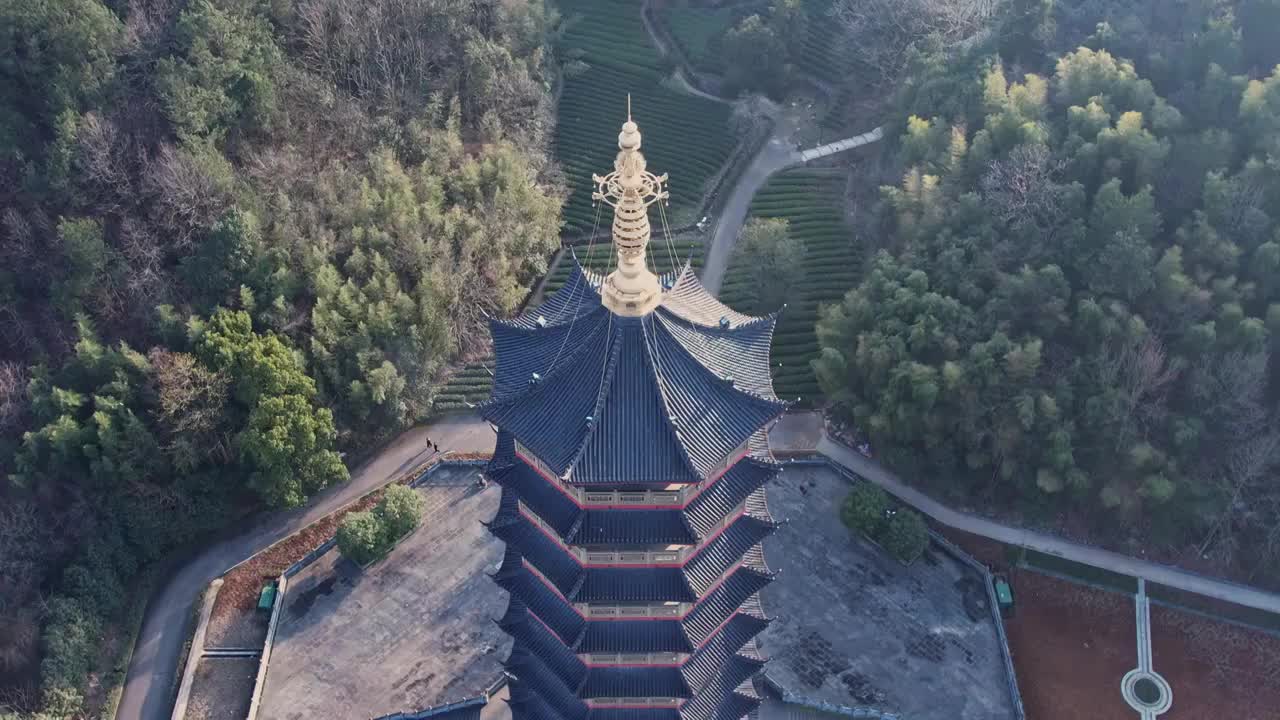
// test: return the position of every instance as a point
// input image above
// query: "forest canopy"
(1077, 299)
(238, 239)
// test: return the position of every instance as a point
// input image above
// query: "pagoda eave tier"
(673, 396)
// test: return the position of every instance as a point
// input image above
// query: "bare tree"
(102, 159)
(1021, 188)
(13, 397)
(189, 195)
(191, 396)
(881, 34)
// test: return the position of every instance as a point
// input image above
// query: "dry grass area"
(240, 587)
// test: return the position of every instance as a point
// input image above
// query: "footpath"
(804, 432)
(150, 682)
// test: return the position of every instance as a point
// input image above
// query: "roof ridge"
(775, 401)
(606, 382)
(559, 365)
(651, 362)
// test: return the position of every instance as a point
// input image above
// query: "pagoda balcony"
(672, 555)
(671, 659)
(635, 702)
(672, 496)
(596, 611)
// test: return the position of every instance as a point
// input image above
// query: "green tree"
(56, 57)
(754, 56)
(865, 509)
(287, 440)
(362, 537)
(223, 77)
(287, 444)
(905, 535)
(400, 510)
(774, 258)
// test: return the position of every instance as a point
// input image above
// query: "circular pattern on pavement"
(1146, 692)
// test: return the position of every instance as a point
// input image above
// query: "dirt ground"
(235, 623)
(222, 688)
(1216, 670)
(1072, 644)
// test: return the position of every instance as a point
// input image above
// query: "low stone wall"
(196, 652)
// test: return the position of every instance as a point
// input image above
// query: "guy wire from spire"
(591, 244)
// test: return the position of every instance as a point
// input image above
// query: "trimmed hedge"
(898, 529)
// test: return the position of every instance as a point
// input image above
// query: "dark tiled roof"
(634, 682)
(539, 677)
(718, 699)
(535, 639)
(633, 714)
(633, 527)
(711, 505)
(717, 556)
(462, 710)
(663, 584)
(527, 704)
(552, 505)
(541, 600)
(720, 647)
(690, 301)
(718, 605)
(656, 388)
(534, 545)
(634, 636)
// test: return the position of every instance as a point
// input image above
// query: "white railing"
(633, 701)
(654, 658)
(594, 612)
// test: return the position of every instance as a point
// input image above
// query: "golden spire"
(630, 290)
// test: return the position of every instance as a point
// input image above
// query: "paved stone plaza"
(854, 627)
(414, 630)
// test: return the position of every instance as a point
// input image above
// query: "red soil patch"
(1072, 644)
(1215, 669)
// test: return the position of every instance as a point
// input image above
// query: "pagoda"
(631, 412)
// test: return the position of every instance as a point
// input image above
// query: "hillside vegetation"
(237, 237)
(608, 55)
(1078, 301)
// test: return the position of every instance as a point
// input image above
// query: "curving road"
(1115, 562)
(149, 684)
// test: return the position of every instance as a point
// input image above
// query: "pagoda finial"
(630, 290)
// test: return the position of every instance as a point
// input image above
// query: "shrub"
(905, 535)
(71, 635)
(866, 509)
(362, 537)
(400, 511)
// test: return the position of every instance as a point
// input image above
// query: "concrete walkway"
(149, 685)
(842, 145)
(1151, 572)
(776, 155)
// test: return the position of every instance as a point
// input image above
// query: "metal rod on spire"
(628, 107)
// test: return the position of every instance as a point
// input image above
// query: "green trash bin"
(267, 598)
